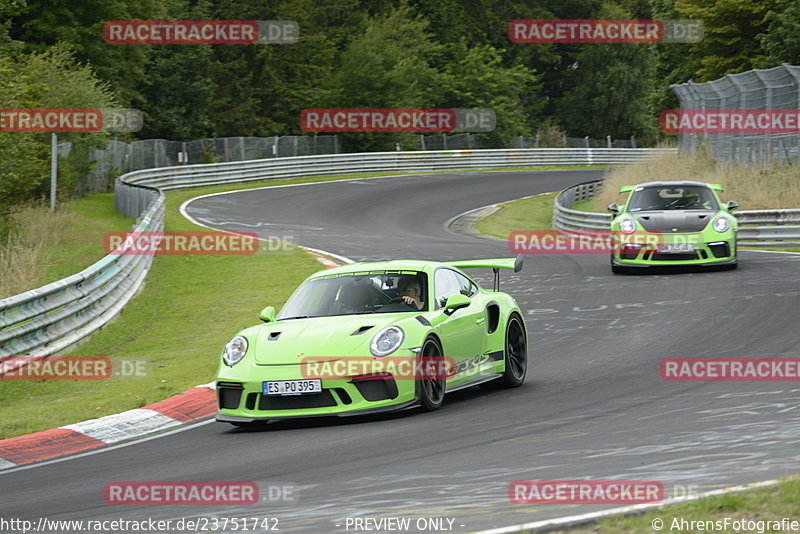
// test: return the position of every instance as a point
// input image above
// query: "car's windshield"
(677, 197)
(358, 293)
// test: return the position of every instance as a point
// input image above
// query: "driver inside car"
(690, 199)
(410, 290)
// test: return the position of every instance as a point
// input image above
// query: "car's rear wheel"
(515, 353)
(430, 387)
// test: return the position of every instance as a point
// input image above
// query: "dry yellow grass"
(29, 245)
(752, 187)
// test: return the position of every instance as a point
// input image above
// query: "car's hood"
(289, 341)
(673, 221)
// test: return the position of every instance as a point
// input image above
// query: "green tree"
(176, 93)
(781, 38)
(480, 80)
(52, 79)
(43, 23)
(731, 42)
(608, 85)
(389, 65)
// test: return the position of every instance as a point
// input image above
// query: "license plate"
(292, 387)
(676, 248)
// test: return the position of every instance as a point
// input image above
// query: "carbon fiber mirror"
(732, 205)
(613, 208)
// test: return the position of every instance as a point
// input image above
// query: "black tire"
(515, 353)
(430, 389)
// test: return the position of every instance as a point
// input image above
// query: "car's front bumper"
(709, 251)
(222, 418)
(243, 400)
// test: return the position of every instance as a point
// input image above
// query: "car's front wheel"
(430, 387)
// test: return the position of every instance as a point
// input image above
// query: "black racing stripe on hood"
(674, 220)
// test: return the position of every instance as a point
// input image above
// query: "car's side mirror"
(613, 208)
(732, 205)
(455, 302)
(267, 314)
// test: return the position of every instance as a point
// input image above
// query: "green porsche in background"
(683, 222)
(358, 338)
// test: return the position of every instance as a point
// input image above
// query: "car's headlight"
(721, 224)
(627, 226)
(235, 350)
(386, 341)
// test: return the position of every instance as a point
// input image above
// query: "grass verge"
(529, 213)
(42, 247)
(759, 505)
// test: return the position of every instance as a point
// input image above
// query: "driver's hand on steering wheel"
(411, 300)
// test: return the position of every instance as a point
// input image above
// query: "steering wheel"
(399, 300)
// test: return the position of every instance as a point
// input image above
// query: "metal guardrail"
(43, 321)
(758, 228)
(223, 173)
(566, 218)
(46, 320)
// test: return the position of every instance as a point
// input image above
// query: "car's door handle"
(480, 321)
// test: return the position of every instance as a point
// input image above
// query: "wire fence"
(119, 158)
(572, 142)
(468, 141)
(777, 88)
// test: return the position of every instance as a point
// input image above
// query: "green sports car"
(677, 223)
(374, 337)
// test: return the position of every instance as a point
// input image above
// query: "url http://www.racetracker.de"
(194, 525)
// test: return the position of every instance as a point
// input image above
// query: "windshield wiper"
(296, 317)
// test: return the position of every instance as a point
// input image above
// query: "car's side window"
(466, 286)
(446, 284)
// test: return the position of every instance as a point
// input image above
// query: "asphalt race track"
(593, 405)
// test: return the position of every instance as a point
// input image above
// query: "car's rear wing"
(494, 265)
(629, 188)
